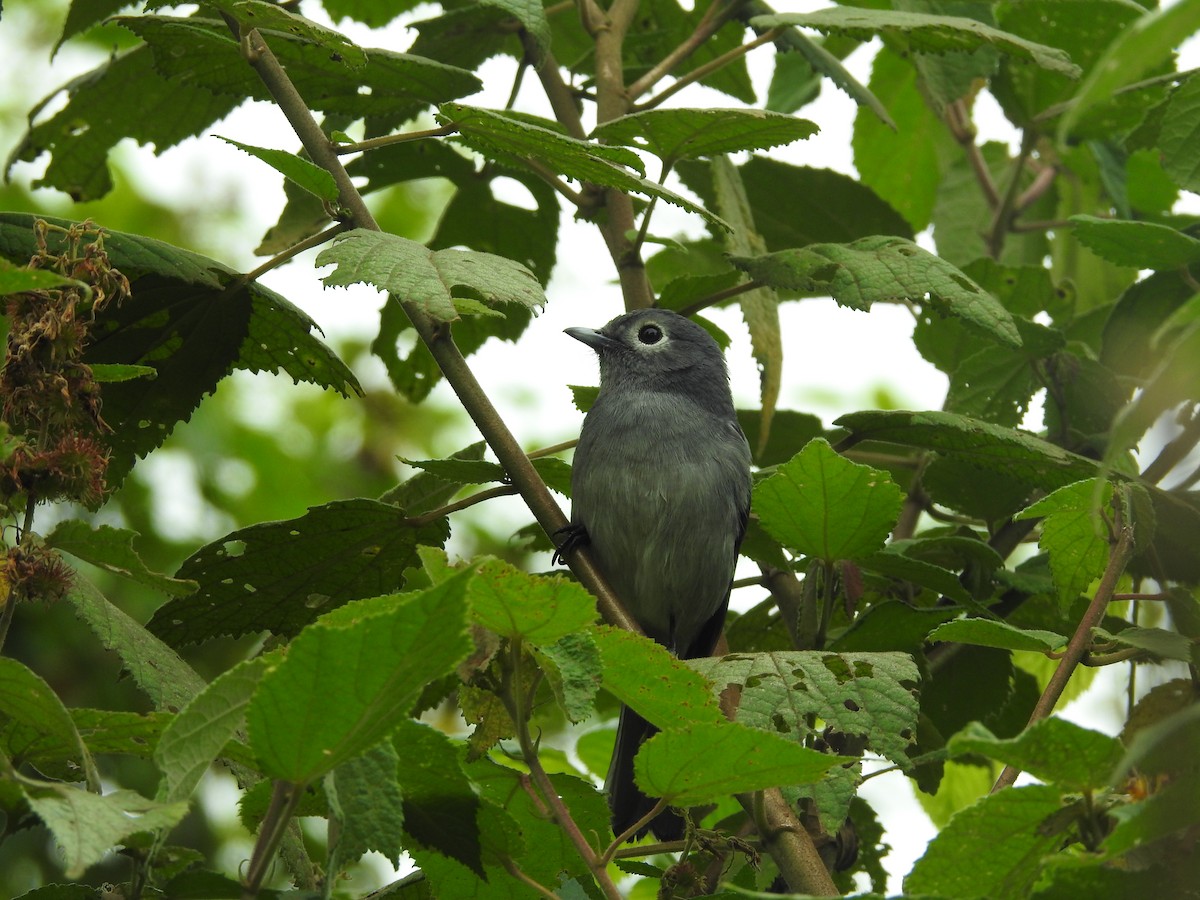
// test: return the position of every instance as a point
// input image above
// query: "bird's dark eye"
(650, 334)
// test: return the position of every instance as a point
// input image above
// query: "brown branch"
(720, 297)
(958, 120)
(284, 797)
(436, 336)
(1174, 452)
(1005, 213)
(789, 843)
(717, 14)
(389, 140)
(703, 71)
(279, 259)
(1121, 550)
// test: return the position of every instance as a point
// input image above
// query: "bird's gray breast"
(662, 487)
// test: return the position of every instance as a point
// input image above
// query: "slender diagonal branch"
(707, 69)
(436, 336)
(1121, 551)
(389, 140)
(710, 23)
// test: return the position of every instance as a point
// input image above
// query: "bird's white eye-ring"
(650, 334)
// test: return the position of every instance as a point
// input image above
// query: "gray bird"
(660, 491)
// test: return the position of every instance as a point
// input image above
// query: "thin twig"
(703, 71)
(552, 449)
(1121, 551)
(1003, 217)
(718, 13)
(514, 870)
(958, 120)
(1174, 452)
(653, 813)
(575, 197)
(720, 297)
(504, 490)
(1159, 596)
(313, 240)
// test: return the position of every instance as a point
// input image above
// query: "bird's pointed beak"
(594, 338)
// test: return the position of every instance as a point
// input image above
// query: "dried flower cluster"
(50, 400)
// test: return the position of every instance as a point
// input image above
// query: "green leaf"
(96, 116)
(112, 550)
(534, 608)
(34, 724)
(279, 576)
(902, 164)
(1002, 837)
(1137, 50)
(530, 13)
(426, 491)
(1177, 138)
(110, 374)
(920, 33)
(196, 736)
(271, 18)
(894, 563)
(709, 760)
(864, 695)
(572, 667)
(169, 681)
(675, 134)
(1053, 750)
(1158, 642)
(1074, 534)
(1016, 454)
(350, 678)
(1142, 245)
(827, 507)
(647, 678)
(994, 633)
(365, 800)
(514, 139)
(881, 269)
(432, 279)
(441, 809)
(16, 279)
(390, 89)
(83, 15)
(86, 826)
(295, 168)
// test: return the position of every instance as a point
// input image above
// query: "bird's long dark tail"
(626, 802)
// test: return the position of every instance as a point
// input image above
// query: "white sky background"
(835, 359)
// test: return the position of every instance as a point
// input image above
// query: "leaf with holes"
(435, 280)
(279, 576)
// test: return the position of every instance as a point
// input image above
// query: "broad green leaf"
(364, 798)
(1180, 126)
(535, 608)
(516, 139)
(431, 279)
(34, 724)
(86, 826)
(883, 269)
(15, 279)
(648, 679)
(112, 550)
(301, 171)
(530, 13)
(705, 761)
(348, 680)
(110, 374)
(555, 472)
(1139, 48)
(796, 79)
(391, 88)
(675, 134)
(165, 678)
(193, 321)
(96, 116)
(827, 507)
(195, 737)
(572, 667)
(1142, 245)
(1074, 533)
(1053, 750)
(82, 15)
(865, 695)
(920, 33)
(279, 576)
(902, 164)
(1002, 838)
(441, 810)
(1014, 453)
(107, 731)
(894, 563)
(994, 633)
(891, 625)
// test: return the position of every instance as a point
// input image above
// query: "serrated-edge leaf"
(674, 134)
(1002, 635)
(301, 171)
(112, 549)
